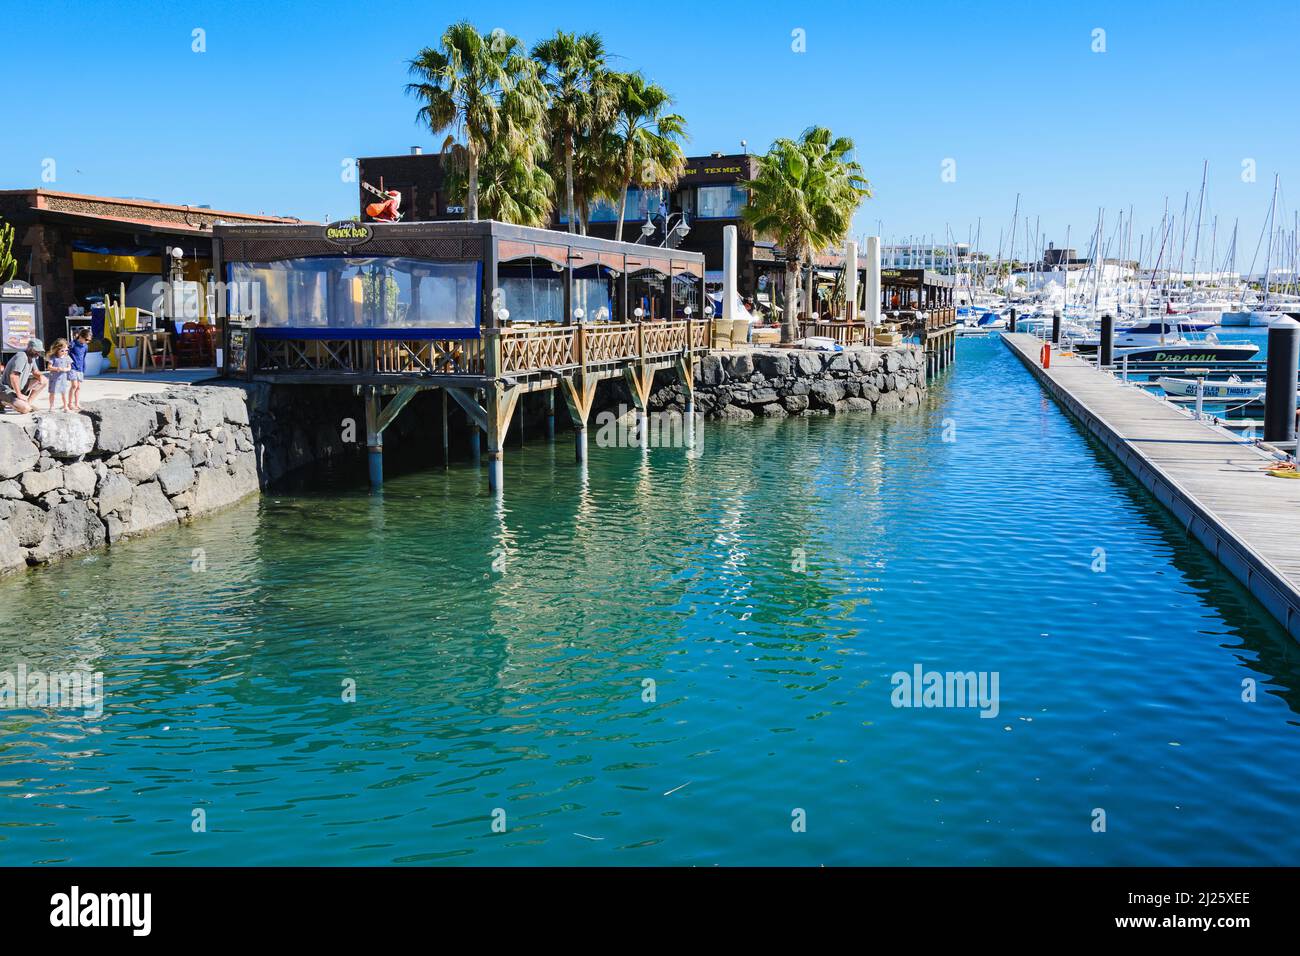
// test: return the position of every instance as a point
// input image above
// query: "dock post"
(1056, 326)
(446, 457)
(374, 438)
(475, 443)
(1106, 350)
(1280, 383)
(1012, 326)
(550, 414)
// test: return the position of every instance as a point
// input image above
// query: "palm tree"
(514, 186)
(804, 198)
(572, 67)
(648, 137)
(483, 90)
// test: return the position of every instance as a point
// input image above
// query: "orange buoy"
(1046, 356)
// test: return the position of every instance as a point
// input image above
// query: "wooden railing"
(844, 333)
(518, 350)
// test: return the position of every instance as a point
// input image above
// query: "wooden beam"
(579, 396)
(477, 413)
(398, 402)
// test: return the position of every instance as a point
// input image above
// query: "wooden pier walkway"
(1215, 485)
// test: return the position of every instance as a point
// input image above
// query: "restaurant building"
(75, 248)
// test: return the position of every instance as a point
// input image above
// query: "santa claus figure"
(386, 211)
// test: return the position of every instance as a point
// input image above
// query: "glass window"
(605, 210)
(720, 202)
(339, 293)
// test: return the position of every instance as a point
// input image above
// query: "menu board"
(18, 324)
(237, 360)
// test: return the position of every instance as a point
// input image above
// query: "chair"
(196, 345)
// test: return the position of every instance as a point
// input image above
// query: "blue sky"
(1013, 93)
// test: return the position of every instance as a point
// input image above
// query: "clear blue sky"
(263, 120)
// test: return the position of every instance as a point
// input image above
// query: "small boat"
(1190, 352)
(1230, 389)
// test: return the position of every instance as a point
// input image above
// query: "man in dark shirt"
(22, 381)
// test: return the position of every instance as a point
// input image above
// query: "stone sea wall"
(123, 467)
(776, 383)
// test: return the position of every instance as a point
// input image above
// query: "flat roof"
(42, 198)
(313, 237)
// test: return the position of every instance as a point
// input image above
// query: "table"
(148, 347)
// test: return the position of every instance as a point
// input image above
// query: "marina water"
(676, 660)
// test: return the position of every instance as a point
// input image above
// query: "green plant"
(580, 102)
(8, 264)
(483, 91)
(647, 137)
(804, 198)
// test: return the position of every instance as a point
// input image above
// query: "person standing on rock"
(77, 351)
(23, 381)
(59, 364)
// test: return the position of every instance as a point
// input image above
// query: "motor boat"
(1230, 389)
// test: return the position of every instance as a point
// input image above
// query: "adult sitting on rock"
(22, 381)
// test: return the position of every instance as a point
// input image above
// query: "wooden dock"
(1214, 484)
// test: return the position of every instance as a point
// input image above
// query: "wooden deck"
(1214, 484)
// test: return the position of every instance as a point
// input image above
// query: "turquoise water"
(519, 686)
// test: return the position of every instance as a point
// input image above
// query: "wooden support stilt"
(550, 414)
(685, 368)
(476, 414)
(500, 408)
(445, 433)
(579, 395)
(379, 417)
(639, 380)
(374, 438)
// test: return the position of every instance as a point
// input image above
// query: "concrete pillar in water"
(1056, 326)
(446, 449)
(1106, 350)
(1280, 386)
(580, 443)
(872, 291)
(374, 439)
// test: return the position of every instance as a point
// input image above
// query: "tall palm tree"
(804, 198)
(483, 91)
(649, 137)
(572, 66)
